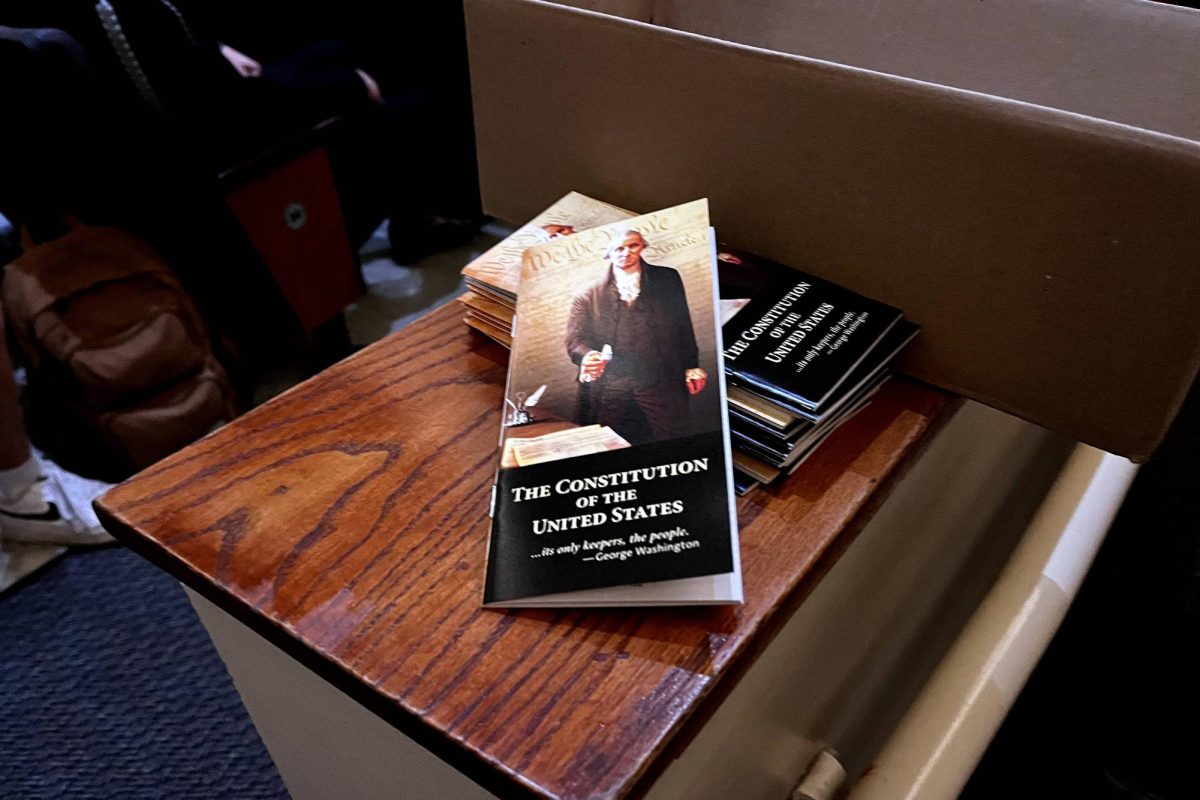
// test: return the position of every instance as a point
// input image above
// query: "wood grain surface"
(347, 522)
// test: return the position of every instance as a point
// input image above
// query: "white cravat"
(629, 284)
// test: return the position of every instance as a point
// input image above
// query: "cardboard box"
(1023, 179)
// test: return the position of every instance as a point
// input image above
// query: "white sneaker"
(44, 514)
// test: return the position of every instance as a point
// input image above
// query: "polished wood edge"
(714, 694)
(490, 776)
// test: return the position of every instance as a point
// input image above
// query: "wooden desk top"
(346, 521)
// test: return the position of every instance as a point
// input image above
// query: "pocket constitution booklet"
(493, 277)
(803, 356)
(804, 343)
(615, 486)
(497, 273)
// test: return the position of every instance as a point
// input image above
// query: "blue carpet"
(111, 688)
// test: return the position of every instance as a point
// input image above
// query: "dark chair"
(287, 203)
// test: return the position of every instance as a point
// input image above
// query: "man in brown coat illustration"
(639, 385)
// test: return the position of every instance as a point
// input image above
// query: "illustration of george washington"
(640, 383)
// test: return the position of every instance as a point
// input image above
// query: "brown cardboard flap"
(1118, 60)
(1050, 257)
(640, 10)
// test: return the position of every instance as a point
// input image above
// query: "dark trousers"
(641, 413)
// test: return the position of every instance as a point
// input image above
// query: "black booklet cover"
(870, 372)
(799, 338)
(615, 480)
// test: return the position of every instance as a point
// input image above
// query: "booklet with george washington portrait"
(615, 483)
(497, 273)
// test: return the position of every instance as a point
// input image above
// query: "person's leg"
(448, 215)
(33, 508)
(14, 444)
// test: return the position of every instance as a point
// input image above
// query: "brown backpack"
(120, 366)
